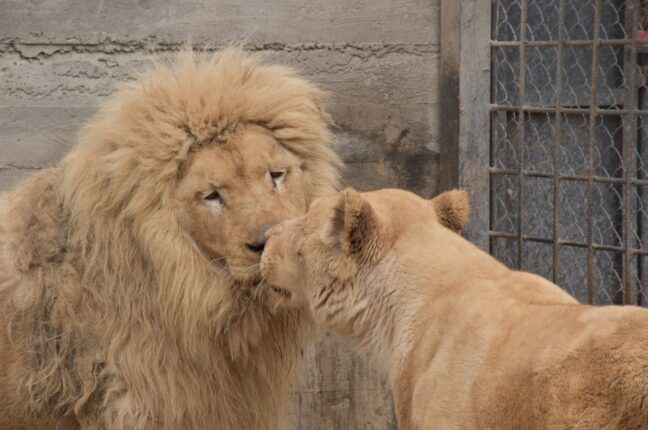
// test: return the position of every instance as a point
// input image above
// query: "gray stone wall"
(378, 58)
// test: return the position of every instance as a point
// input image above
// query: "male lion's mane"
(111, 311)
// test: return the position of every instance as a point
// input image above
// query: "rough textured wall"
(378, 58)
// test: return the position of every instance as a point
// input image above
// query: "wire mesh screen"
(569, 144)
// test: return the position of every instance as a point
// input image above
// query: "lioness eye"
(277, 176)
(213, 197)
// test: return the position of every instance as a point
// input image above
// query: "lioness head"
(342, 235)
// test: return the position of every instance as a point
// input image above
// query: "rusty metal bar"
(495, 73)
(629, 143)
(596, 247)
(569, 111)
(549, 43)
(557, 142)
(521, 129)
(496, 19)
(591, 146)
(597, 179)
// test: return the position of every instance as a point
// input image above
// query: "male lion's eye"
(277, 176)
(213, 196)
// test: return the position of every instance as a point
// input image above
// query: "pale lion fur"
(465, 342)
(106, 304)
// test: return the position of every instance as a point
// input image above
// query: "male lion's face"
(234, 192)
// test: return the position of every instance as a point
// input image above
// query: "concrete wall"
(378, 58)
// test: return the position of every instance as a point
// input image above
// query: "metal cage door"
(568, 148)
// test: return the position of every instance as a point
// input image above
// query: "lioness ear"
(451, 208)
(352, 223)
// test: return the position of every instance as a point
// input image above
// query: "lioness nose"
(258, 241)
(271, 231)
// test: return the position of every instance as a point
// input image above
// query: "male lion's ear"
(451, 208)
(352, 223)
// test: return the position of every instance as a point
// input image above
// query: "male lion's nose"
(258, 240)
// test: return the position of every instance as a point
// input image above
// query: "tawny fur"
(465, 342)
(111, 315)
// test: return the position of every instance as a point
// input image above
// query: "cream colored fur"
(127, 291)
(466, 342)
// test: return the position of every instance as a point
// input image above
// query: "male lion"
(466, 342)
(126, 271)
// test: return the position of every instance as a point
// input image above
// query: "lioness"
(466, 342)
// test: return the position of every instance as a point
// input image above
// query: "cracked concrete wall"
(378, 58)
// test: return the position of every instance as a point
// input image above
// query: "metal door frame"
(465, 129)
(465, 90)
